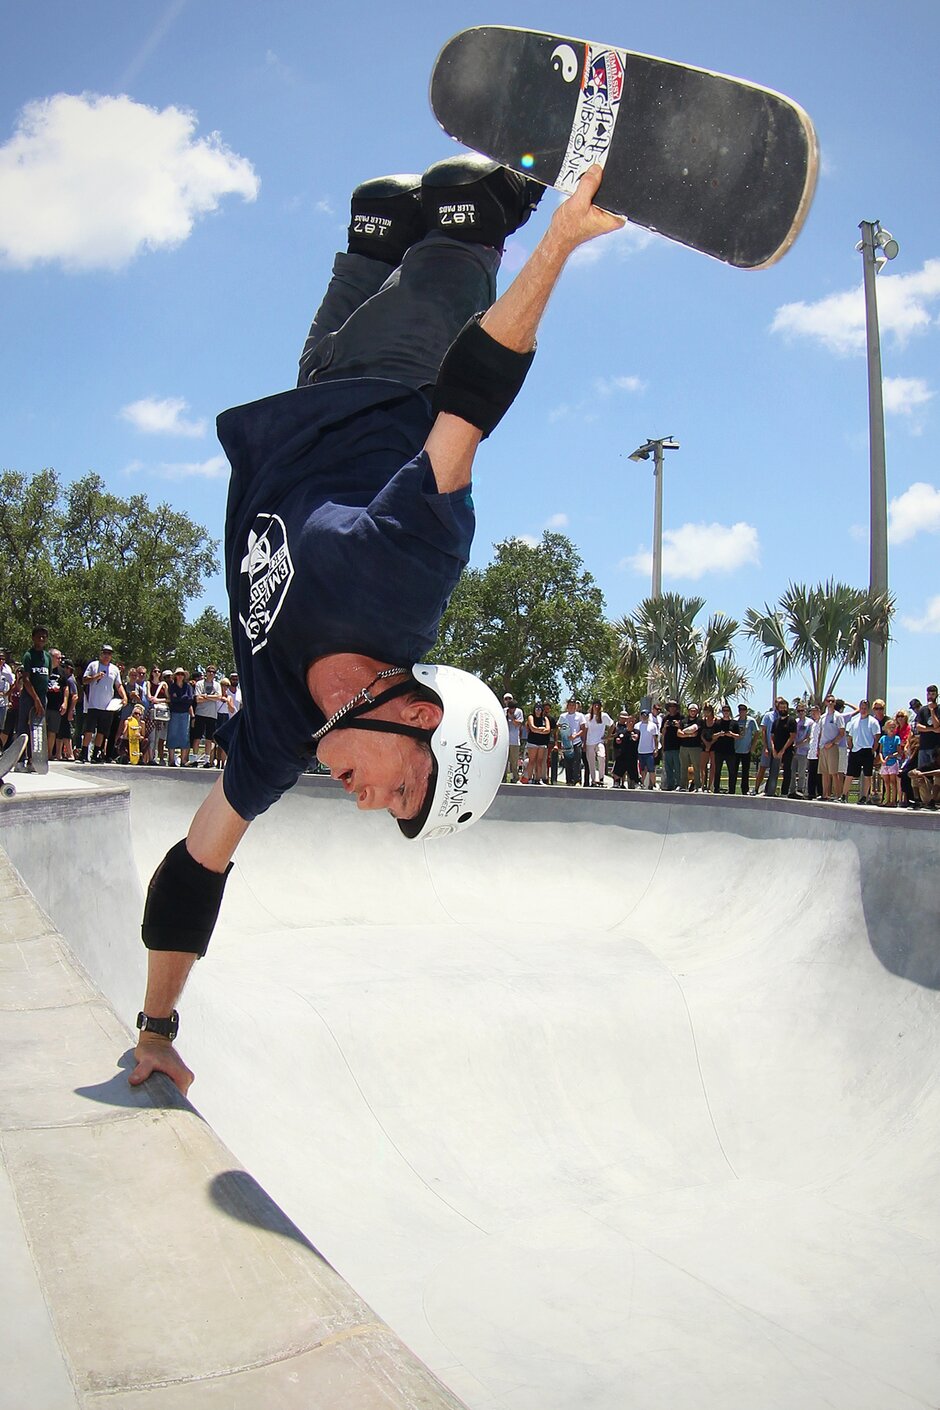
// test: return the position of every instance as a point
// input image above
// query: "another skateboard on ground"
(39, 744)
(10, 757)
(717, 163)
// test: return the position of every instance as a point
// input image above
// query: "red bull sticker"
(484, 729)
(595, 116)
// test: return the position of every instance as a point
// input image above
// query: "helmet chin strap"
(348, 716)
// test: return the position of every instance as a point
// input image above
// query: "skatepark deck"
(615, 1101)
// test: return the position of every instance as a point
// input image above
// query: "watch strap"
(163, 1027)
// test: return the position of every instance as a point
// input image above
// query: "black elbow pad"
(479, 378)
(183, 901)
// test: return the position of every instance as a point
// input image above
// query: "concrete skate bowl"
(613, 1102)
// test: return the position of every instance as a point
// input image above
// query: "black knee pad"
(469, 197)
(386, 218)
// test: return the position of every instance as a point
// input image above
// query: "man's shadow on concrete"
(158, 1092)
(233, 1192)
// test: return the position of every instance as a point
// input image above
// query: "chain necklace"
(362, 698)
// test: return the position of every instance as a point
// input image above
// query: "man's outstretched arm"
(213, 836)
(514, 318)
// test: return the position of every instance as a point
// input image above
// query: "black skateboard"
(38, 743)
(10, 757)
(716, 163)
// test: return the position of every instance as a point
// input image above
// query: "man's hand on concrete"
(155, 1054)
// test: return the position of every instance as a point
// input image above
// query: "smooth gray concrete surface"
(142, 1266)
(613, 1102)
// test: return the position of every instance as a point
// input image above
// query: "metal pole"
(878, 539)
(658, 519)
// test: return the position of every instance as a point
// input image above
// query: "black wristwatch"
(163, 1027)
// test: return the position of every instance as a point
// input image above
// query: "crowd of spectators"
(103, 712)
(805, 751)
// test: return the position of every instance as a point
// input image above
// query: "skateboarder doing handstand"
(349, 521)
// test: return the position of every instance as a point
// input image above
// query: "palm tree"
(819, 631)
(682, 661)
(732, 683)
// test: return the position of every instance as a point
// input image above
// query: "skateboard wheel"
(8, 790)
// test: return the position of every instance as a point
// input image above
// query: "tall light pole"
(655, 449)
(876, 246)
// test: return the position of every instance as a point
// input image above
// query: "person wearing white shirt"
(102, 683)
(515, 719)
(596, 733)
(831, 735)
(813, 786)
(648, 739)
(575, 724)
(847, 714)
(208, 699)
(229, 705)
(234, 694)
(865, 732)
(799, 779)
(7, 677)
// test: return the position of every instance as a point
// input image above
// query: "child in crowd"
(889, 746)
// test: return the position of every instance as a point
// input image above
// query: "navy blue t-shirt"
(336, 539)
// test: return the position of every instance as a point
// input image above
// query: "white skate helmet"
(470, 747)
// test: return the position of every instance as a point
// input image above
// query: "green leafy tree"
(819, 632)
(205, 642)
(91, 564)
(29, 586)
(683, 661)
(531, 622)
(615, 687)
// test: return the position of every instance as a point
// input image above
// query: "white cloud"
(583, 410)
(603, 387)
(215, 468)
(90, 181)
(838, 320)
(929, 622)
(325, 207)
(903, 396)
(619, 244)
(163, 418)
(606, 386)
(696, 549)
(916, 511)
(554, 522)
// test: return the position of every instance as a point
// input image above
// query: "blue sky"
(174, 180)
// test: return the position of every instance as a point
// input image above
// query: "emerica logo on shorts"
(267, 573)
